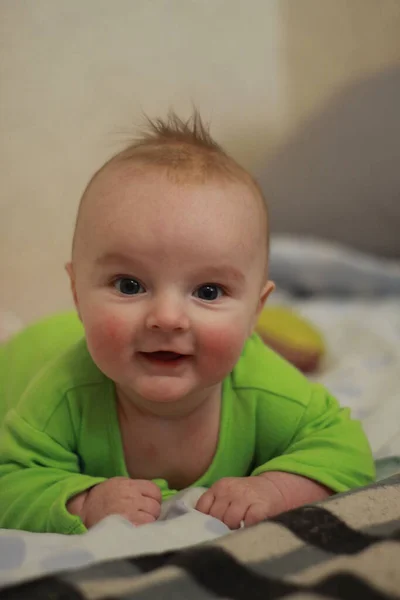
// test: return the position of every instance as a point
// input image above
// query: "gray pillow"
(339, 176)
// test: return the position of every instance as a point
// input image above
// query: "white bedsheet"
(356, 304)
(362, 364)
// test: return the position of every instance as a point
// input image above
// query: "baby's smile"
(164, 358)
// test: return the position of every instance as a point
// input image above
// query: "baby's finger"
(205, 502)
(256, 513)
(149, 489)
(219, 508)
(149, 505)
(235, 514)
(142, 518)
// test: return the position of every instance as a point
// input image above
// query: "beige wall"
(75, 76)
(331, 44)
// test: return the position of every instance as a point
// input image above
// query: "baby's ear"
(70, 270)
(265, 292)
(267, 289)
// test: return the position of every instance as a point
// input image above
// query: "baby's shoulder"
(263, 371)
(63, 382)
(73, 368)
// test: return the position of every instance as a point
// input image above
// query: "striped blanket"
(346, 547)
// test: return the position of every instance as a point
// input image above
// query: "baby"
(169, 387)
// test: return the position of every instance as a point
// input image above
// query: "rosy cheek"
(221, 348)
(112, 329)
(105, 333)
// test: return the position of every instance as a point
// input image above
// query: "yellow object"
(287, 326)
(292, 336)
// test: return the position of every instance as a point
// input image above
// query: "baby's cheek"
(222, 348)
(105, 333)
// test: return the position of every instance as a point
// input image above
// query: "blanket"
(25, 555)
(345, 547)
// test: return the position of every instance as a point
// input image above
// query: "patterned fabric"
(347, 547)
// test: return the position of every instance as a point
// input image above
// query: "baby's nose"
(167, 315)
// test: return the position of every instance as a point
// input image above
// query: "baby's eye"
(128, 286)
(209, 292)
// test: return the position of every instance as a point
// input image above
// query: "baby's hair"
(185, 148)
(175, 129)
(186, 151)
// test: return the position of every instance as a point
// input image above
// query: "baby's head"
(169, 264)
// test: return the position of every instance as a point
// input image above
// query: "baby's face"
(168, 280)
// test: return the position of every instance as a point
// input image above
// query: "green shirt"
(63, 436)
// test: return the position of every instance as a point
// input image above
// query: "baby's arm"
(327, 452)
(38, 475)
(326, 446)
(293, 490)
(42, 488)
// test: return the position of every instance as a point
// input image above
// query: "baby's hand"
(137, 500)
(236, 499)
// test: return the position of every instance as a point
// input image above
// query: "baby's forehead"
(117, 180)
(109, 180)
(142, 209)
(147, 194)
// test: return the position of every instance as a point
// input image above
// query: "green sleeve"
(19, 363)
(327, 446)
(39, 471)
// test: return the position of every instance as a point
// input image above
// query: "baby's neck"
(178, 446)
(186, 408)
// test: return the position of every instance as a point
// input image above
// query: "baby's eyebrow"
(223, 272)
(111, 258)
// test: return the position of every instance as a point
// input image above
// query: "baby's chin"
(163, 397)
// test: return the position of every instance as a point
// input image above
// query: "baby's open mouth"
(164, 357)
